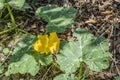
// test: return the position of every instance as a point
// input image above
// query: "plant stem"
(80, 71)
(12, 20)
(56, 65)
(23, 31)
(11, 15)
(86, 73)
(8, 30)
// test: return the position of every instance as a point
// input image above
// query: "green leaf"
(16, 4)
(5, 50)
(58, 18)
(88, 49)
(25, 6)
(25, 60)
(2, 1)
(65, 77)
(95, 51)
(1, 69)
(117, 78)
(1, 4)
(49, 1)
(27, 64)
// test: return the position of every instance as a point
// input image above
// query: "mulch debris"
(99, 17)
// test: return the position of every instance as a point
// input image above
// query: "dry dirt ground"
(99, 17)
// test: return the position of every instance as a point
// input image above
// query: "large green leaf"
(58, 18)
(27, 64)
(1, 4)
(16, 4)
(2, 1)
(88, 49)
(65, 77)
(25, 60)
(117, 78)
(95, 51)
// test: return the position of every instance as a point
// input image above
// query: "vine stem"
(8, 30)
(55, 64)
(80, 71)
(11, 15)
(12, 20)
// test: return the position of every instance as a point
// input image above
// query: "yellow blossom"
(54, 42)
(46, 44)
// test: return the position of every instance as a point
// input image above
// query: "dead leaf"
(106, 12)
(90, 21)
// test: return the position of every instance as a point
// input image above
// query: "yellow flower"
(54, 42)
(46, 44)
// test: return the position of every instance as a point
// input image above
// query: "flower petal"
(46, 45)
(41, 44)
(54, 42)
